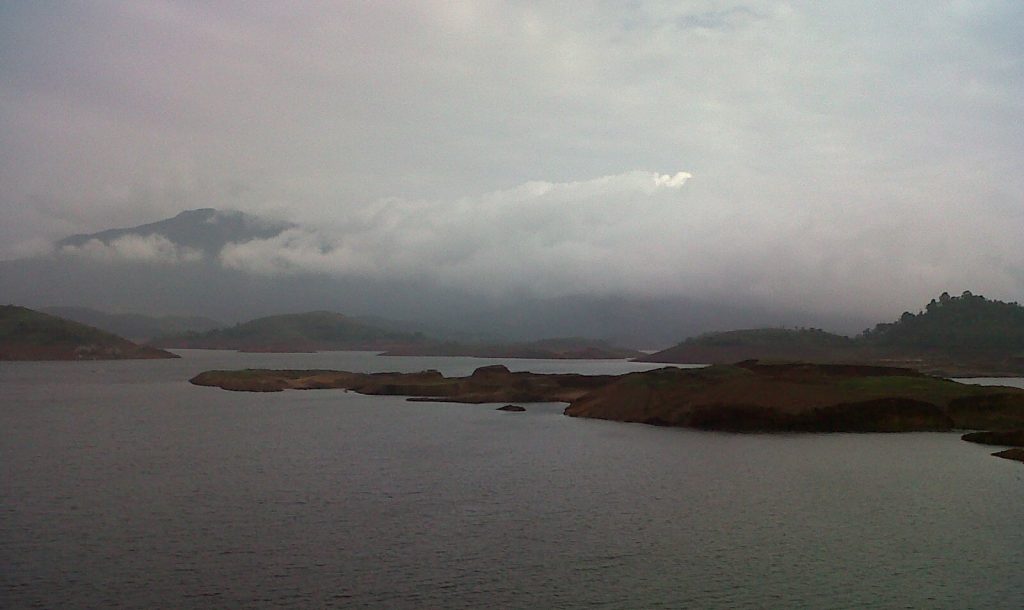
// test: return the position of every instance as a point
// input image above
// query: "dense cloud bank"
(134, 248)
(859, 157)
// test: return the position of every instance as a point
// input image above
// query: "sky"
(855, 157)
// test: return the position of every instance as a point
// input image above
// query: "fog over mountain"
(236, 266)
(533, 169)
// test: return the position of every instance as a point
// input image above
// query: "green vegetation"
(26, 334)
(929, 389)
(137, 327)
(964, 322)
(965, 336)
(774, 337)
(26, 326)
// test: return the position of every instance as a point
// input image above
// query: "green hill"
(805, 344)
(303, 332)
(30, 335)
(796, 337)
(955, 323)
(963, 336)
(134, 326)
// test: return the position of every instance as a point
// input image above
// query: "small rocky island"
(572, 348)
(745, 397)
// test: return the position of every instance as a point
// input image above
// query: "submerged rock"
(1007, 438)
(511, 408)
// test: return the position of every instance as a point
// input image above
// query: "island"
(745, 397)
(1006, 438)
(572, 348)
(26, 334)
(493, 383)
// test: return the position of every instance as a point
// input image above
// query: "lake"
(124, 486)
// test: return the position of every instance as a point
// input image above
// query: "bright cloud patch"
(646, 233)
(135, 248)
(554, 237)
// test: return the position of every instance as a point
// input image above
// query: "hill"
(303, 332)
(803, 344)
(31, 335)
(134, 326)
(966, 336)
(206, 230)
(955, 323)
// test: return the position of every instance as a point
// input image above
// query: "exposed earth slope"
(802, 397)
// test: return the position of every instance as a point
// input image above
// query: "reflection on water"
(124, 485)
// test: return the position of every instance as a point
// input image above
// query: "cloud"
(153, 248)
(540, 235)
(851, 156)
(646, 233)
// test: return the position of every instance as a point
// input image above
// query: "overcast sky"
(852, 156)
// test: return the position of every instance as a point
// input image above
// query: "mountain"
(304, 332)
(31, 335)
(173, 266)
(135, 326)
(207, 230)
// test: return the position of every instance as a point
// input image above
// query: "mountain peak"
(204, 229)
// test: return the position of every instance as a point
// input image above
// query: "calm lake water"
(121, 485)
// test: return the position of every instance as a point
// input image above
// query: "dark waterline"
(123, 485)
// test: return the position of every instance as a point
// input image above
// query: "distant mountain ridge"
(783, 344)
(173, 265)
(952, 334)
(26, 334)
(302, 332)
(204, 229)
(134, 326)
